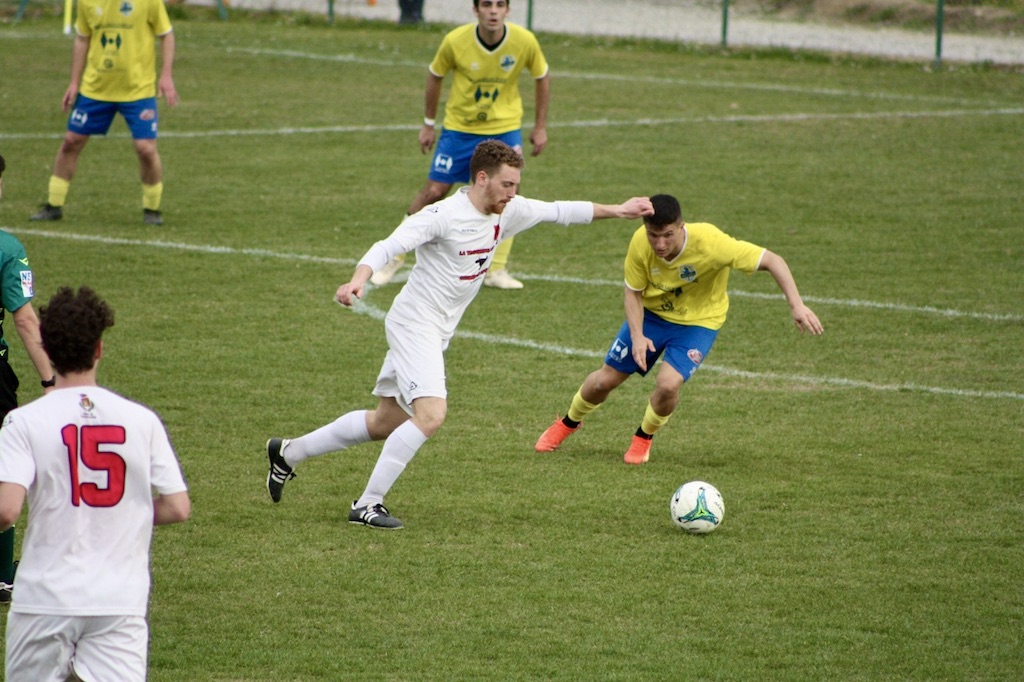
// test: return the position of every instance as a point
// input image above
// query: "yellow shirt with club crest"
(121, 66)
(692, 289)
(484, 98)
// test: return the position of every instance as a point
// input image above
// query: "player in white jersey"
(88, 461)
(454, 241)
(485, 59)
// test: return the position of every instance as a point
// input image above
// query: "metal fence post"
(725, 22)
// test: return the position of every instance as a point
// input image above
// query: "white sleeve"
(165, 471)
(530, 212)
(573, 212)
(415, 230)
(16, 462)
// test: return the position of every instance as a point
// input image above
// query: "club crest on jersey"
(125, 9)
(687, 273)
(87, 405)
(485, 95)
(508, 62)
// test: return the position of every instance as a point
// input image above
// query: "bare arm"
(539, 134)
(27, 324)
(165, 84)
(803, 317)
(79, 52)
(173, 508)
(634, 208)
(634, 304)
(431, 97)
(354, 288)
(12, 498)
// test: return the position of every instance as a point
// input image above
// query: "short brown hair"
(71, 325)
(490, 155)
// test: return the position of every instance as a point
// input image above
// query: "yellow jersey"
(484, 98)
(692, 289)
(121, 66)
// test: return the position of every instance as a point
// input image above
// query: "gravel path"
(698, 21)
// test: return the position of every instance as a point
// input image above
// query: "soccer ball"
(697, 507)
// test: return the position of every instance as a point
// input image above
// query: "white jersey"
(90, 460)
(454, 243)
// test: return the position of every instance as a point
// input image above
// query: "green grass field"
(873, 477)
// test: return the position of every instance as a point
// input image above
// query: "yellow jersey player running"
(486, 60)
(676, 299)
(113, 70)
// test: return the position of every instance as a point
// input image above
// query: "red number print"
(84, 446)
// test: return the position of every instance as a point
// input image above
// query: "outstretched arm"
(634, 208)
(803, 317)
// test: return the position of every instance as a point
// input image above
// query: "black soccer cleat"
(374, 516)
(151, 217)
(48, 213)
(280, 472)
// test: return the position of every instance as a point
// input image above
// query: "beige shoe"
(500, 279)
(387, 273)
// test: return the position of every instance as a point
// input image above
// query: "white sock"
(344, 432)
(399, 449)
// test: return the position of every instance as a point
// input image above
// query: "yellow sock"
(151, 195)
(58, 191)
(580, 408)
(653, 421)
(500, 260)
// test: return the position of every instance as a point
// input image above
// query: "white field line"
(687, 82)
(595, 123)
(991, 110)
(365, 308)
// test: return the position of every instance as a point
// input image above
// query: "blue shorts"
(685, 346)
(454, 151)
(93, 117)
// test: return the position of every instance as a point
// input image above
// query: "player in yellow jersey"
(113, 70)
(676, 299)
(486, 60)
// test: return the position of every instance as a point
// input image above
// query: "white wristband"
(429, 122)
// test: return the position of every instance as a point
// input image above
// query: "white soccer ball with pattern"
(697, 507)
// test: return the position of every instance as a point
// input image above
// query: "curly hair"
(490, 155)
(71, 325)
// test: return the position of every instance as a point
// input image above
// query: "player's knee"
(666, 395)
(434, 192)
(72, 144)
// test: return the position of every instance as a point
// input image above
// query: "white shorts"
(413, 367)
(97, 648)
